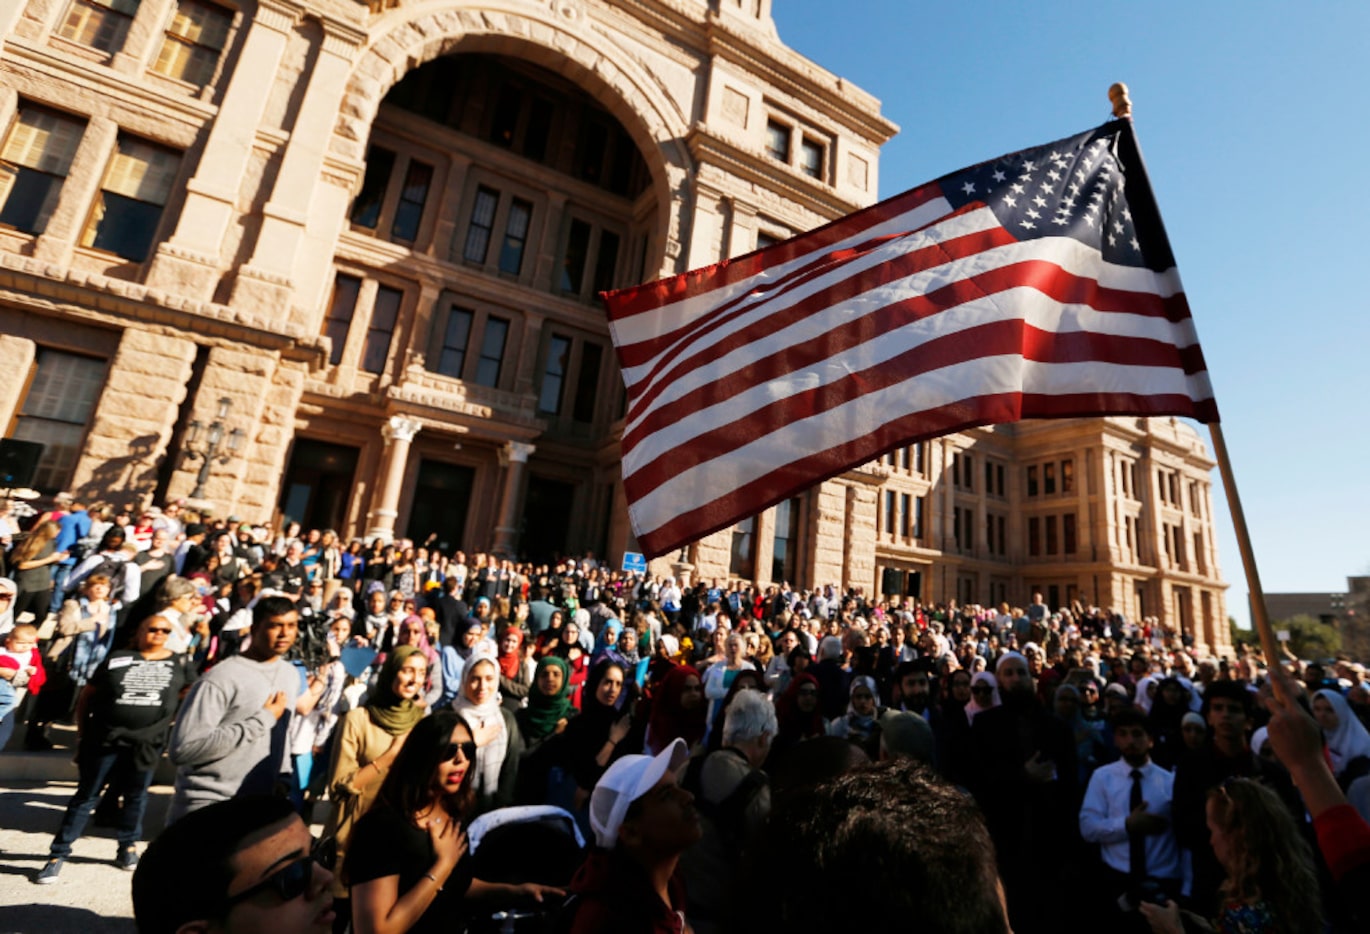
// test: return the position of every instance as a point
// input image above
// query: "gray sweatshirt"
(226, 742)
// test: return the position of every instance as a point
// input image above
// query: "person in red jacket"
(21, 665)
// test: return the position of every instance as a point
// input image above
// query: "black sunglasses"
(977, 689)
(287, 883)
(467, 750)
(165, 632)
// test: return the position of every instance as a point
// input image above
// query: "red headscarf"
(669, 720)
(510, 663)
(792, 722)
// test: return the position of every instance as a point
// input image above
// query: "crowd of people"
(491, 738)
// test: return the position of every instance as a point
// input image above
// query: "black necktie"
(1136, 857)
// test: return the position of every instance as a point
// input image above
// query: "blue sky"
(1252, 120)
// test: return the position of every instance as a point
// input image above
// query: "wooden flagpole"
(1122, 109)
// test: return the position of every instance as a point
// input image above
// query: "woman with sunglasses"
(123, 717)
(407, 867)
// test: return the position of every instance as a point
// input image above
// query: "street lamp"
(214, 439)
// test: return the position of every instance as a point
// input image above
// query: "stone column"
(514, 458)
(16, 358)
(399, 433)
(143, 33)
(189, 261)
(268, 278)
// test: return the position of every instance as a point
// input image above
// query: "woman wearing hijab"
(678, 710)
(1348, 742)
(549, 707)
(413, 631)
(798, 714)
(550, 637)
(1088, 745)
(1168, 708)
(567, 646)
(984, 694)
(598, 735)
(606, 645)
(498, 743)
(368, 744)
(515, 670)
(861, 723)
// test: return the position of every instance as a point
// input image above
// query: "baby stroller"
(536, 843)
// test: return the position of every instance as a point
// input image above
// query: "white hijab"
(973, 706)
(1350, 740)
(490, 757)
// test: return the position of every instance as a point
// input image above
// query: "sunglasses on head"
(287, 883)
(466, 749)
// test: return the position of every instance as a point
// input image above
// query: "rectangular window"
(1032, 481)
(1068, 476)
(1048, 478)
(1068, 532)
(778, 141)
(905, 517)
(1174, 480)
(968, 525)
(193, 42)
(956, 470)
(587, 383)
(366, 210)
(1128, 524)
(904, 458)
(57, 411)
(508, 103)
(784, 557)
(968, 465)
(482, 225)
(34, 164)
(956, 526)
(1160, 484)
(811, 158)
(456, 336)
(989, 477)
(989, 533)
(918, 506)
(1034, 536)
(1199, 563)
(1051, 535)
(492, 351)
(606, 263)
(413, 196)
(341, 307)
(381, 329)
(1003, 542)
(742, 559)
(554, 374)
(1193, 498)
(999, 480)
(919, 457)
(515, 237)
(129, 207)
(100, 24)
(889, 512)
(573, 262)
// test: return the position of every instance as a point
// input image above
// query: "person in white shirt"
(1126, 811)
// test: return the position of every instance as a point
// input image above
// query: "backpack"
(110, 567)
(729, 815)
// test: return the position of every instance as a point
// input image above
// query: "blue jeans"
(100, 767)
(59, 588)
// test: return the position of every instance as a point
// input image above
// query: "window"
(741, 560)
(784, 556)
(382, 328)
(956, 470)
(1174, 481)
(889, 512)
(989, 477)
(573, 262)
(455, 338)
(515, 237)
(33, 166)
(366, 210)
(918, 506)
(482, 225)
(999, 480)
(1160, 484)
(919, 457)
(606, 262)
(1068, 532)
(764, 240)
(1048, 479)
(904, 458)
(491, 351)
(1068, 476)
(1002, 524)
(778, 141)
(100, 24)
(968, 468)
(905, 508)
(338, 321)
(1193, 497)
(811, 158)
(1050, 522)
(1199, 561)
(1034, 536)
(587, 382)
(554, 374)
(57, 410)
(989, 533)
(194, 41)
(1032, 481)
(129, 207)
(409, 212)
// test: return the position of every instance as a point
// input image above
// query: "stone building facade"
(361, 241)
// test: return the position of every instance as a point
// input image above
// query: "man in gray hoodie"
(230, 738)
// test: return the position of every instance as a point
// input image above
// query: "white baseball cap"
(624, 782)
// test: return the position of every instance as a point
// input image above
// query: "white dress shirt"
(1103, 817)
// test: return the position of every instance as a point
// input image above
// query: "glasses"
(165, 632)
(981, 690)
(466, 750)
(287, 883)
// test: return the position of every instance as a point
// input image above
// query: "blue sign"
(635, 561)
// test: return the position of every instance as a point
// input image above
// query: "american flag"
(1040, 284)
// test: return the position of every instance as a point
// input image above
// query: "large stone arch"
(556, 35)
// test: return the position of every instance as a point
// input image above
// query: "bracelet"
(429, 875)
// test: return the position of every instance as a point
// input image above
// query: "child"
(21, 667)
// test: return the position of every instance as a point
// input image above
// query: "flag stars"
(1017, 189)
(1027, 225)
(999, 175)
(968, 188)
(1009, 201)
(1040, 201)
(1033, 213)
(1134, 244)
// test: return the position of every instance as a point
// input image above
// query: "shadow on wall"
(128, 478)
